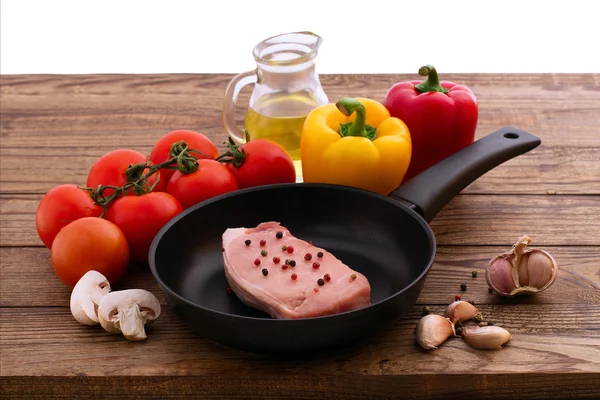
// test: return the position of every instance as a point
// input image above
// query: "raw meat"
(270, 287)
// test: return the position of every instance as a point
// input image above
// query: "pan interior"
(369, 233)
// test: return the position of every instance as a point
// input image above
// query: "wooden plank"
(49, 342)
(468, 220)
(69, 121)
(27, 271)
(305, 386)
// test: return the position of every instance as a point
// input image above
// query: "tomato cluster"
(129, 197)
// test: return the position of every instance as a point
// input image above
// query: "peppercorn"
(474, 274)
(320, 282)
(478, 318)
(457, 297)
(294, 276)
(228, 290)
(308, 256)
(490, 290)
(263, 242)
(320, 254)
(248, 241)
(257, 262)
(284, 247)
(222, 248)
(290, 249)
(263, 253)
(316, 265)
(327, 277)
(463, 286)
(292, 263)
(276, 260)
(316, 290)
(265, 271)
(490, 324)
(353, 276)
(279, 235)
(426, 310)
(458, 324)
(458, 330)
(472, 302)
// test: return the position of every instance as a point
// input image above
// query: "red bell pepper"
(441, 117)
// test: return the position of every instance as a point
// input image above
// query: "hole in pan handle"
(433, 188)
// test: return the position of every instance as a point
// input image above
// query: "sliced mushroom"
(128, 311)
(86, 296)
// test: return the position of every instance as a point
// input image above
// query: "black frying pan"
(388, 239)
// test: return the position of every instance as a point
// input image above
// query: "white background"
(369, 36)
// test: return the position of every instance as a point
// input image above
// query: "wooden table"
(54, 127)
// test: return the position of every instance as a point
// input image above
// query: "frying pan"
(386, 238)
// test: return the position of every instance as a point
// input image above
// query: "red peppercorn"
(257, 262)
(263, 242)
(294, 276)
(316, 265)
(290, 249)
(229, 291)
(276, 260)
(327, 278)
(316, 290)
(457, 297)
(308, 256)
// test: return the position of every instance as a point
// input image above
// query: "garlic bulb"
(521, 270)
(432, 330)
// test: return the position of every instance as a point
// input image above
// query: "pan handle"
(433, 188)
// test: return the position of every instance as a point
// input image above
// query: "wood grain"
(72, 120)
(541, 386)
(31, 338)
(29, 270)
(466, 220)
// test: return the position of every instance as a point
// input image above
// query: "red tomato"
(141, 217)
(211, 179)
(110, 170)
(194, 140)
(86, 244)
(266, 162)
(61, 206)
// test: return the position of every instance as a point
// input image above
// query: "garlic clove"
(432, 330)
(540, 267)
(499, 275)
(486, 337)
(460, 311)
(524, 272)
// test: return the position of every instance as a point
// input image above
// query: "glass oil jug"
(286, 89)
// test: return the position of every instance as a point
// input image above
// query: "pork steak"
(271, 270)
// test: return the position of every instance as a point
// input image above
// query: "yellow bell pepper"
(355, 142)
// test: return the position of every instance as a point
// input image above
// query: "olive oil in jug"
(279, 117)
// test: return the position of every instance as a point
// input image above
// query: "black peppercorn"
(292, 263)
(426, 310)
(248, 241)
(463, 286)
(320, 254)
(320, 282)
(265, 271)
(474, 274)
(279, 235)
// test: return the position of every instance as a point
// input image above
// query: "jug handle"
(231, 95)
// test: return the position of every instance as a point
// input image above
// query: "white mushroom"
(127, 311)
(86, 296)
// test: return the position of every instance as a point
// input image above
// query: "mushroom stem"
(132, 323)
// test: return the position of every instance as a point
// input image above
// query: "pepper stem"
(348, 106)
(431, 82)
